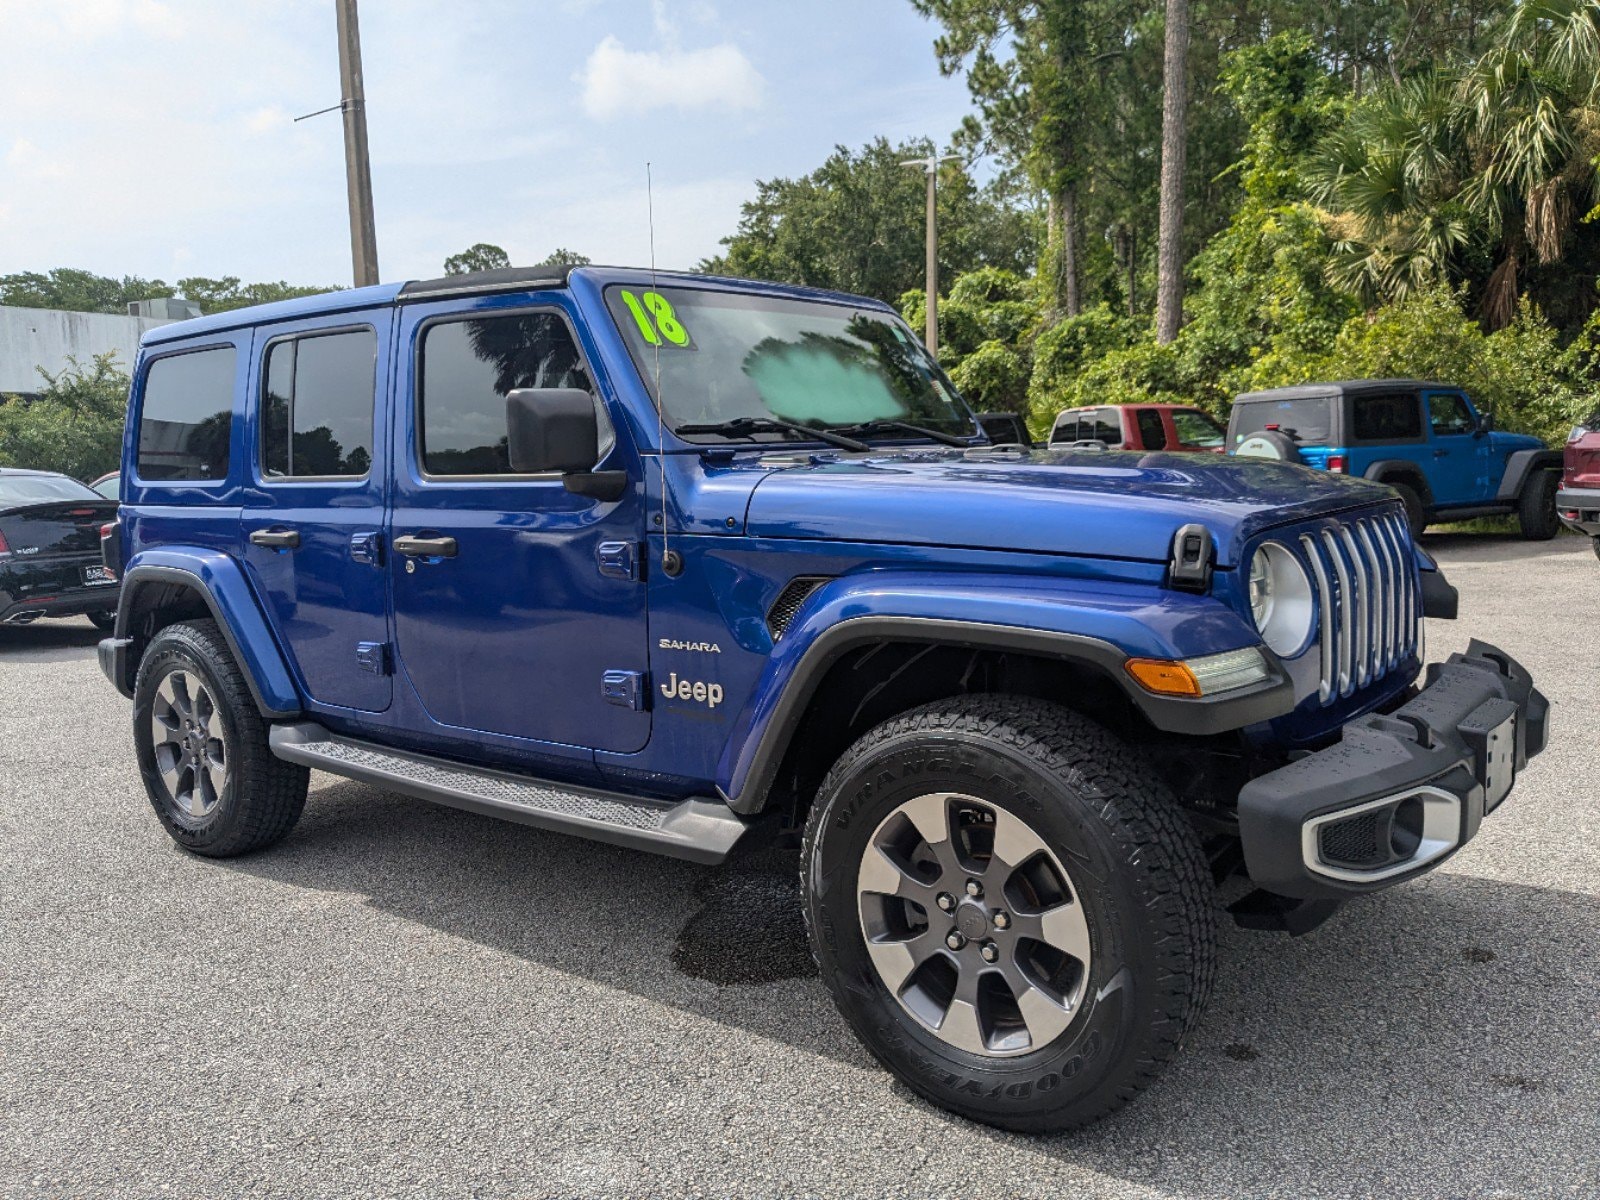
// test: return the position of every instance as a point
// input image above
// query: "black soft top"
(1344, 387)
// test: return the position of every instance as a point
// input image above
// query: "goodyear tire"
(1035, 995)
(1536, 507)
(202, 748)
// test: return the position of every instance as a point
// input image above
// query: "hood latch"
(1190, 567)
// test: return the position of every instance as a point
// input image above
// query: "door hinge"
(373, 657)
(618, 560)
(367, 547)
(624, 688)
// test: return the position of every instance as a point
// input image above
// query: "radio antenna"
(671, 561)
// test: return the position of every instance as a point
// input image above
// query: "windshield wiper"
(868, 428)
(741, 426)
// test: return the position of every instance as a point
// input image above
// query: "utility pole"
(930, 167)
(358, 170)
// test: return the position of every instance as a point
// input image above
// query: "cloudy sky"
(155, 137)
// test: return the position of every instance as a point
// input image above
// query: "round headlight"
(1280, 599)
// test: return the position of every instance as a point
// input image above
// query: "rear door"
(313, 514)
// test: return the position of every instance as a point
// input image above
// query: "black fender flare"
(1401, 470)
(1207, 715)
(1520, 465)
(222, 588)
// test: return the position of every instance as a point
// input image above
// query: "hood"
(1083, 503)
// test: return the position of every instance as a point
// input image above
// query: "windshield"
(1307, 421)
(40, 489)
(727, 355)
(1195, 428)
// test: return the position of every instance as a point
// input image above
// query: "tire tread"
(1158, 845)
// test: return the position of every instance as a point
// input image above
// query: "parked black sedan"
(50, 563)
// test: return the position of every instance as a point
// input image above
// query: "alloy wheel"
(190, 751)
(974, 925)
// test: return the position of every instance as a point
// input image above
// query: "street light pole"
(930, 167)
(358, 170)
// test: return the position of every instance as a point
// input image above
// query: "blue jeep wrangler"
(665, 560)
(1425, 440)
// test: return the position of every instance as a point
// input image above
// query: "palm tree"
(1529, 108)
(1499, 158)
(1389, 179)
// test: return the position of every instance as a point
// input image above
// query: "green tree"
(78, 291)
(75, 424)
(1027, 68)
(566, 258)
(856, 224)
(480, 256)
(221, 295)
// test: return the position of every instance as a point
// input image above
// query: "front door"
(1459, 469)
(517, 611)
(313, 516)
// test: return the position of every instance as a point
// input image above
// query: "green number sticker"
(656, 319)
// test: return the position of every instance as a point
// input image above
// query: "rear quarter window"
(1385, 417)
(186, 421)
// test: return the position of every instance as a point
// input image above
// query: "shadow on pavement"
(1425, 1029)
(48, 641)
(1500, 546)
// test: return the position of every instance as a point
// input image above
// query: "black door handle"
(425, 547)
(1440, 453)
(277, 539)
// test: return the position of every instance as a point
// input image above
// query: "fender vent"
(789, 601)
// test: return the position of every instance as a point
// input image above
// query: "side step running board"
(699, 830)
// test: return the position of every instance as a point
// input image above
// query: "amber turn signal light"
(1164, 678)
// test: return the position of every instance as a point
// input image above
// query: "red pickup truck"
(1140, 427)
(1578, 500)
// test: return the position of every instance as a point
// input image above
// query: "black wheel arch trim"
(115, 651)
(1401, 470)
(1522, 463)
(1197, 717)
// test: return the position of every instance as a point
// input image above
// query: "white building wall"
(44, 337)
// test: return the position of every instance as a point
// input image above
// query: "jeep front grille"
(1368, 598)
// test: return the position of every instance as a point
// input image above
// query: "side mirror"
(1485, 422)
(557, 430)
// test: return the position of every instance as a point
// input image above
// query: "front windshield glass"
(727, 355)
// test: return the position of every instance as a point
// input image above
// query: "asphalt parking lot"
(408, 1000)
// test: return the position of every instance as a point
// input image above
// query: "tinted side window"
(1386, 417)
(1107, 426)
(187, 416)
(1066, 429)
(1194, 428)
(468, 369)
(1448, 413)
(316, 415)
(1151, 431)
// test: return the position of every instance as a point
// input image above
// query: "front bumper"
(1586, 503)
(1400, 792)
